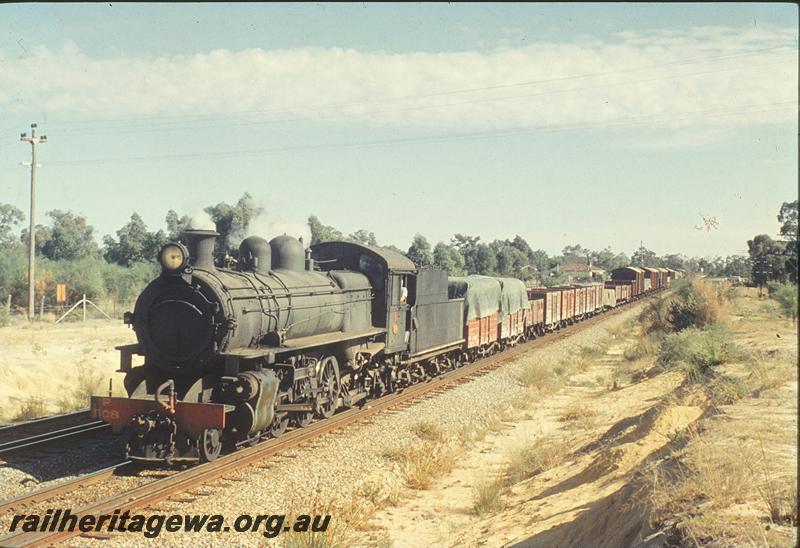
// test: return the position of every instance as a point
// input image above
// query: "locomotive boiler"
(233, 354)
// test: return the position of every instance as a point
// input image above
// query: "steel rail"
(17, 428)
(162, 489)
(47, 437)
(61, 488)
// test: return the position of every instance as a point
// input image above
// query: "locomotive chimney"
(200, 244)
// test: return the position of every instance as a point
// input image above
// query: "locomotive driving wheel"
(300, 395)
(281, 420)
(210, 444)
(303, 418)
(329, 387)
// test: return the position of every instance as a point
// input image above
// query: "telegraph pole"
(33, 140)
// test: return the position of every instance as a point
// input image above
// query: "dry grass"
(598, 350)
(349, 515)
(87, 383)
(540, 377)
(421, 464)
(32, 408)
(489, 496)
(617, 331)
(345, 518)
(725, 389)
(709, 485)
(523, 462)
(533, 458)
(33, 351)
(620, 376)
(579, 416)
(473, 432)
(379, 494)
(643, 347)
(429, 431)
(494, 420)
(735, 484)
(523, 401)
(770, 372)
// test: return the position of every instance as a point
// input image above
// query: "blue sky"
(599, 124)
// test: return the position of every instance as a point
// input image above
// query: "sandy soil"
(444, 515)
(50, 362)
(598, 494)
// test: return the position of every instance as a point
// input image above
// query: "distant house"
(581, 272)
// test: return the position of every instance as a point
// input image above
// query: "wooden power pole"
(33, 140)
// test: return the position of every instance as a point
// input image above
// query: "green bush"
(646, 345)
(786, 295)
(95, 277)
(655, 316)
(696, 303)
(696, 351)
(14, 276)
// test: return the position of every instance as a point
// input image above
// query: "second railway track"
(14, 431)
(48, 437)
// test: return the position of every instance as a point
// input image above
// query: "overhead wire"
(603, 124)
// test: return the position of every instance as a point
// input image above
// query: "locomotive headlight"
(173, 257)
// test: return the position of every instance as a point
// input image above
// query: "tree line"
(68, 252)
(776, 260)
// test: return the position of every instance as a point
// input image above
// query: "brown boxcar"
(536, 315)
(653, 275)
(552, 302)
(622, 288)
(580, 301)
(594, 298)
(664, 277)
(609, 297)
(568, 299)
(630, 273)
(482, 331)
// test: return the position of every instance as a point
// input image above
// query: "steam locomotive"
(233, 355)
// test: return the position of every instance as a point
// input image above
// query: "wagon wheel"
(329, 386)
(281, 420)
(210, 444)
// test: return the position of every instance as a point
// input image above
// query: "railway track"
(18, 430)
(61, 434)
(164, 488)
(61, 488)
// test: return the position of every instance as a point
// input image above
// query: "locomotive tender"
(235, 355)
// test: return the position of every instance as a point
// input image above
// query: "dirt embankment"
(628, 454)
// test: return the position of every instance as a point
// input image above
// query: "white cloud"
(425, 90)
